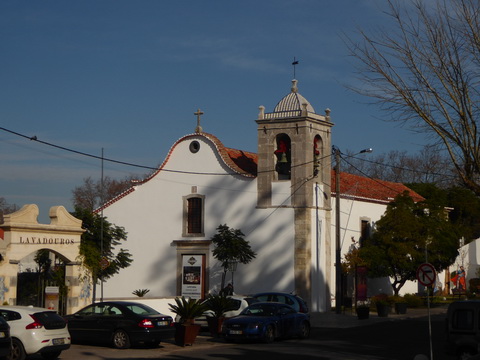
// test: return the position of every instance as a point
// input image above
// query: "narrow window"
(365, 231)
(194, 216)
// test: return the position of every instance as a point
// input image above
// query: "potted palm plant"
(400, 304)
(217, 306)
(382, 303)
(186, 330)
(362, 309)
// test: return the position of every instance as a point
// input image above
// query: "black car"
(5, 340)
(119, 323)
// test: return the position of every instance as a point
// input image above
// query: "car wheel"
(51, 355)
(121, 339)
(269, 334)
(18, 351)
(304, 330)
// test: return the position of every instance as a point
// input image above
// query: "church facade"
(280, 198)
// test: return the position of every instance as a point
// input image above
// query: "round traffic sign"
(426, 274)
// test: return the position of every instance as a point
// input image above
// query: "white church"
(282, 199)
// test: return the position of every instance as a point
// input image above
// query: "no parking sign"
(426, 274)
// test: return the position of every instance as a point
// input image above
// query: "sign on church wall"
(192, 276)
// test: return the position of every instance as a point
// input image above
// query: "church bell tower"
(294, 157)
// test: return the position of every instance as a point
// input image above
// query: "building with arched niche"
(21, 236)
(280, 198)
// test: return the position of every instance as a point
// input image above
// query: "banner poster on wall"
(192, 276)
(361, 283)
(51, 297)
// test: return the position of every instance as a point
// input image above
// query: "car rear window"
(50, 320)
(463, 319)
(141, 309)
(251, 301)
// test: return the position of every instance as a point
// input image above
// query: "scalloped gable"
(242, 162)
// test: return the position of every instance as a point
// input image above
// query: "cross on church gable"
(199, 113)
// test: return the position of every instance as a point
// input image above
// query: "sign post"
(426, 275)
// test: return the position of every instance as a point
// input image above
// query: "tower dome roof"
(293, 102)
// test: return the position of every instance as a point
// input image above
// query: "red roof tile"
(370, 189)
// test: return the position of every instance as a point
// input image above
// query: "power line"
(34, 138)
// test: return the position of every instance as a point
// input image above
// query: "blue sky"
(127, 76)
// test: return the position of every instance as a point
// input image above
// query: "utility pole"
(338, 249)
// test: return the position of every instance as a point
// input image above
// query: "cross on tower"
(199, 113)
(294, 63)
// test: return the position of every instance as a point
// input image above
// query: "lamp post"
(338, 246)
(232, 267)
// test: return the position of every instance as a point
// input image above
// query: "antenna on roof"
(294, 63)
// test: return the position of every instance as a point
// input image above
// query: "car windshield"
(260, 310)
(141, 309)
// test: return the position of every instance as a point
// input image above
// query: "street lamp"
(338, 247)
(232, 267)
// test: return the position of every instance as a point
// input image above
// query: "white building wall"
(153, 214)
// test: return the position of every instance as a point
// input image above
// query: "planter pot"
(400, 308)
(383, 310)
(215, 325)
(186, 334)
(363, 313)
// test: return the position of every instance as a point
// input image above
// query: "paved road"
(339, 337)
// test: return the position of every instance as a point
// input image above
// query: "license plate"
(235, 332)
(58, 341)
(162, 323)
(2, 335)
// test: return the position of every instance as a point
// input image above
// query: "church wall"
(153, 214)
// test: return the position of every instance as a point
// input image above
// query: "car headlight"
(254, 326)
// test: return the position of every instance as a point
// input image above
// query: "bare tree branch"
(425, 74)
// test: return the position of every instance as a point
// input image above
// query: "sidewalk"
(349, 318)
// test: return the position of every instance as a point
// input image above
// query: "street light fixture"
(338, 247)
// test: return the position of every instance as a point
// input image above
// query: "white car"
(240, 303)
(36, 330)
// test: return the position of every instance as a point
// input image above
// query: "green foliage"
(90, 246)
(464, 205)
(140, 292)
(219, 304)
(397, 299)
(474, 285)
(382, 299)
(413, 301)
(42, 258)
(187, 309)
(230, 245)
(404, 236)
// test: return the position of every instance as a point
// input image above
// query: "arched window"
(316, 154)
(284, 157)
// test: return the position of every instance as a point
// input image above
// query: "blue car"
(266, 321)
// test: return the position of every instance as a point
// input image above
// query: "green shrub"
(413, 301)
